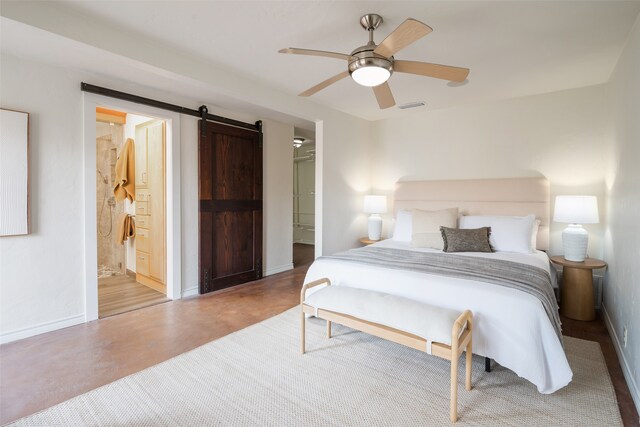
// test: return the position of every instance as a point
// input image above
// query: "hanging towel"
(125, 172)
(126, 228)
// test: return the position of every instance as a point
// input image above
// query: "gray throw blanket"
(526, 278)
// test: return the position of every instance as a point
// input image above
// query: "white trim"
(190, 292)
(279, 269)
(319, 200)
(174, 237)
(89, 104)
(626, 370)
(41, 328)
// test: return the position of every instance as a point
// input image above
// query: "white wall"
(41, 275)
(622, 236)
(278, 187)
(558, 135)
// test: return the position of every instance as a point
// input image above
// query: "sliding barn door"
(230, 187)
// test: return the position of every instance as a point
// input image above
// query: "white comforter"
(510, 326)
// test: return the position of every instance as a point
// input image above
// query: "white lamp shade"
(576, 210)
(375, 204)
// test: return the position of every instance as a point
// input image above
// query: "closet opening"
(304, 196)
(131, 211)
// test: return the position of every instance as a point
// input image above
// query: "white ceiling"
(513, 48)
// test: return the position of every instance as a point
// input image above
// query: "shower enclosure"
(111, 254)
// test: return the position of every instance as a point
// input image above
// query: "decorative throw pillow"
(508, 233)
(466, 240)
(425, 227)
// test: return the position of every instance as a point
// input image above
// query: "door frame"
(172, 189)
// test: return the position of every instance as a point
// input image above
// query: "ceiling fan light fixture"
(371, 75)
(369, 69)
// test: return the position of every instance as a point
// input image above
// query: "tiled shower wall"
(111, 254)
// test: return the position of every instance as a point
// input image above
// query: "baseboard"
(190, 292)
(279, 269)
(42, 328)
(633, 387)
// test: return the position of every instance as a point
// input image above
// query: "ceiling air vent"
(412, 105)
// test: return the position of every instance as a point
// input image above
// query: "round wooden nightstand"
(576, 291)
(365, 240)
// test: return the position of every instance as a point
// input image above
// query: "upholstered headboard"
(511, 196)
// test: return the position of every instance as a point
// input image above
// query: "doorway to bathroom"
(304, 195)
(130, 208)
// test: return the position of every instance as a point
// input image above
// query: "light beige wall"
(622, 232)
(557, 135)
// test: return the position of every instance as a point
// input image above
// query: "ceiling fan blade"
(311, 52)
(406, 33)
(445, 72)
(320, 86)
(384, 96)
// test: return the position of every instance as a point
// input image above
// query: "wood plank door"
(230, 188)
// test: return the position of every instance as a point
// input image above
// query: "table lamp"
(576, 210)
(375, 205)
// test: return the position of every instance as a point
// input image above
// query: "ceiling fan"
(372, 65)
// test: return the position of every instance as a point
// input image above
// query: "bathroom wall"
(111, 254)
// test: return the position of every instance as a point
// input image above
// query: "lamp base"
(575, 240)
(375, 227)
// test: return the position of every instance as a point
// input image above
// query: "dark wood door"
(230, 188)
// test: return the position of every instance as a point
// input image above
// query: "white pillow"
(508, 233)
(403, 227)
(534, 234)
(425, 227)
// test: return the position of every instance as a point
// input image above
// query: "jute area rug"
(257, 377)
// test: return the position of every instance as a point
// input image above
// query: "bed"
(511, 326)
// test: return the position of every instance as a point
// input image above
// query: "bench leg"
(453, 412)
(487, 364)
(328, 329)
(468, 365)
(302, 330)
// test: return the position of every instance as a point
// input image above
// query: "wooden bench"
(448, 333)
